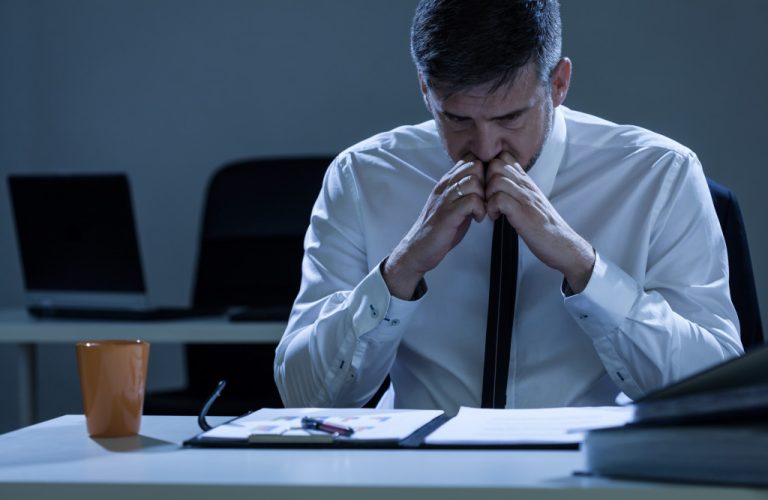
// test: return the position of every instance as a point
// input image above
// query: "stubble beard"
(548, 130)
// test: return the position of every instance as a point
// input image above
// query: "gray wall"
(169, 90)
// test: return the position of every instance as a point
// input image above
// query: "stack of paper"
(475, 426)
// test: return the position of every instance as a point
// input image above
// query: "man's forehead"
(517, 93)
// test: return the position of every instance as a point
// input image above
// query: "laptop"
(79, 249)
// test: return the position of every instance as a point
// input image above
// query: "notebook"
(79, 248)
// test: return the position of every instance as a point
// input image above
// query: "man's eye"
(456, 119)
(512, 122)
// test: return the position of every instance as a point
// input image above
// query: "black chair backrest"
(742, 279)
(251, 244)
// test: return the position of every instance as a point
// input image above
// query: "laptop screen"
(76, 233)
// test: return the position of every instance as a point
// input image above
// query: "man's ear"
(425, 92)
(560, 79)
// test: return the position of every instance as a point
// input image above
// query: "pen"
(319, 425)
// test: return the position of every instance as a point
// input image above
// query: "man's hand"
(458, 198)
(510, 192)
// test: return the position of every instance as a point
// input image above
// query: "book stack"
(709, 428)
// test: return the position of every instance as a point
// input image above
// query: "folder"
(271, 427)
(543, 428)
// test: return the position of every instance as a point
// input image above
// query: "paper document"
(268, 424)
(476, 426)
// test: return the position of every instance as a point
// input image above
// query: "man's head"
(491, 73)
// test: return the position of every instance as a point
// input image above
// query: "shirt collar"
(545, 169)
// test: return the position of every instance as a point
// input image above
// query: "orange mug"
(113, 376)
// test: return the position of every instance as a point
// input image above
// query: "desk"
(56, 459)
(17, 327)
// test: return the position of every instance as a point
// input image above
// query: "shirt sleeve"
(345, 326)
(678, 318)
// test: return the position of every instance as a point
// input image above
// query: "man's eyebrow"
(507, 116)
(454, 116)
(513, 114)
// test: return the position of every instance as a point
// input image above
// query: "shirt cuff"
(606, 301)
(372, 306)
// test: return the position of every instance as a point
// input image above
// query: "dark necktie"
(501, 314)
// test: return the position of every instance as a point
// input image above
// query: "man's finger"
(459, 165)
(502, 203)
(507, 158)
(472, 170)
(471, 205)
(502, 176)
(469, 184)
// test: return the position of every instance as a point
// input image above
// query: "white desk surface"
(16, 326)
(56, 459)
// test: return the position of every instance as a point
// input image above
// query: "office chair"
(742, 279)
(249, 262)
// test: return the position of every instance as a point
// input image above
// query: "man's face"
(515, 118)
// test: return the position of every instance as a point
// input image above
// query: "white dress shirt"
(657, 306)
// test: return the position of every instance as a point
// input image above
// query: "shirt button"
(583, 316)
(394, 322)
(374, 312)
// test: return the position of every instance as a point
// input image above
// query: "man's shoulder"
(400, 140)
(591, 131)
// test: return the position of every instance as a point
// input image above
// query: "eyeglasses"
(201, 421)
(308, 424)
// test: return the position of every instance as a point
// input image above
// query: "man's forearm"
(401, 281)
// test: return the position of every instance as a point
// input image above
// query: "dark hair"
(459, 44)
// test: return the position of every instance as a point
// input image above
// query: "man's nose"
(486, 144)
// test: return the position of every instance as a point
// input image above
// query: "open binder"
(547, 428)
(271, 427)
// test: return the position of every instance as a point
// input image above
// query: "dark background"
(169, 90)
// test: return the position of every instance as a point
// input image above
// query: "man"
(622, 281)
